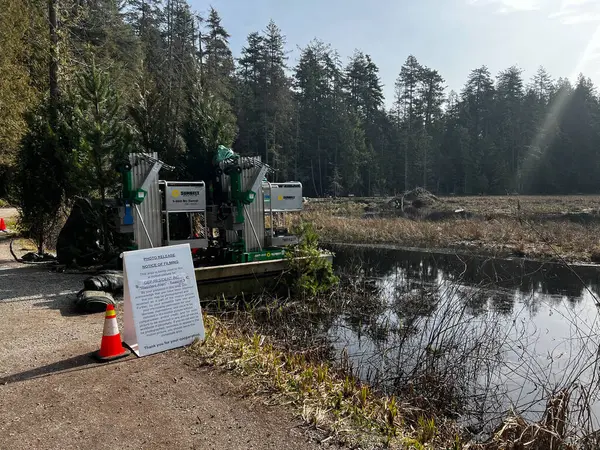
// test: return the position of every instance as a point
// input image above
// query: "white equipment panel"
(185, 196)
(284, 197)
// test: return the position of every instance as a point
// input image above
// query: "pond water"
(475, 336)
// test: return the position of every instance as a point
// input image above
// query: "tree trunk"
(178, 101)
(320, 173)
(297, 145)
(40, 242)
(170, 63)
(105, 231)
(277, 156)
(406, 163)
(425, 145)
(266, 137)
(200, 54)
(53, 67)
(312, 172)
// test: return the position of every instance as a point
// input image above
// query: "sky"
(451, 36)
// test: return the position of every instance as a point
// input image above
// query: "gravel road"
(8, 213)
(53, 396)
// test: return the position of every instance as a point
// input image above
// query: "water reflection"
(493, 334)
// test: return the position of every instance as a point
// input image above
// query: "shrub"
(310, 274)
(41, 178)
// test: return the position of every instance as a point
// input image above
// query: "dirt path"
(53, 396)
(8, 213)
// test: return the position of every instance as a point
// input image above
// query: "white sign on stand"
(162, 307)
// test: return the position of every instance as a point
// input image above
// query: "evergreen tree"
(103, 138)
(210, 124)
(42, 176)
(477, 118)
(408, 109)
(17, 93)
(314, 104)
(505, 169)
(325, 125)
(277, 99)
(365, 96)
(251, 74)
(431, 98)
(218, 66)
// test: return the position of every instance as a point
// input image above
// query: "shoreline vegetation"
(561, 228)
(327, 396)
(345, 412)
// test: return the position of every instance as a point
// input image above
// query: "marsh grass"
(11, 224)
(501, 237)
(494, 206)
(532, 226)
(281, 348)
(325, 397)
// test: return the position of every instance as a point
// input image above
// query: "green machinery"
(230, 218)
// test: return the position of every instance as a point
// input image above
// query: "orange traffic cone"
(2, 225)
(111, 346)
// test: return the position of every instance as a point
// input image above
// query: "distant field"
(543, 227)
(507, 205)
(502, 204)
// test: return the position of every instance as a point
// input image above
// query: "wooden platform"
(232, 280)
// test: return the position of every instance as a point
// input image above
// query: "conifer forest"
(84, 81)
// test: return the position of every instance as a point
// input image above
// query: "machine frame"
(236, 207)
(174, 202)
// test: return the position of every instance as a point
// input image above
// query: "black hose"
(52, 262)
(20, 260)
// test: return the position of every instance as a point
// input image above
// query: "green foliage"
(103, 137)
(457, 444)
(17, 95)
(210, 124)
(413, 443)
(218, 65)
(42, 175)
(363, 395)
(23, 76)
(264, 102)
(427, 430)
(101, 30)
(309, 274)
(147, 112)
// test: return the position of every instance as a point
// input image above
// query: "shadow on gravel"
(64, 303)
(74, 364)
(51, 290)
